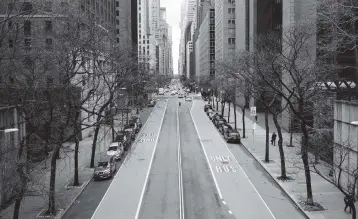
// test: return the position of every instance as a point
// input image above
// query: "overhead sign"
(253, 111)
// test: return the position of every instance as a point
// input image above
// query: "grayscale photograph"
(178, 109)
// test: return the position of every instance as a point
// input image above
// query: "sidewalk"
(33, 206)
(323, 192)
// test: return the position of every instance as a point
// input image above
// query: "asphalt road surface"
(181, 168)
(201, 200)
(87, 202)
(161, 198)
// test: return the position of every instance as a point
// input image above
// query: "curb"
(277, 182)
(74, 199)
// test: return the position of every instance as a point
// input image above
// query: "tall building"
(164, 45)
(187, 21)
(225, 38)
(123, 23)
(206, 43)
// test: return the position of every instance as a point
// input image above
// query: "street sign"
(253, 111)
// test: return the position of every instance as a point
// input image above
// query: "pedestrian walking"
(179, 103)
(273, 138)
(349, 202)
(256, 118)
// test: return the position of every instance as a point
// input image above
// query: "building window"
(27, 43)
(27, 28)
(48, 6)
(232, 2)
(231, 21)
(117, 31)
(49, 81)
(11, 44)
(117, 22)
(9, 24)
(12, 80)
(231, 10)
(117, 4)
(232, 30)
(49, 43)
(147, 41)
(231, 41)
(117, 40)
(10, 7)
(48, 26)
(117, 12)
(27, 7)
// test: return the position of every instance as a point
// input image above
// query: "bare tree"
(294, 76)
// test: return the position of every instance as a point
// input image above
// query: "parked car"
(151, 103)
(124, 138)
(207, 106)
(181, 95)
(136, 123)
(223, 128)
(211, 114)
(220, 122)
(216, 116)
(188, 99)
(105, 168)
(115, 149)
(130, 130)
(232, 135)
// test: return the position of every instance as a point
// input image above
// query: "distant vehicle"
(130, 129)
(207, 106)
(124, 138)
(161, 91)
(188, 99)
(216, 117)
(115, 149)
(137, 123)
(219, 122)
(105, 168)
(232, 135)
(151, 103)
(181, 95)
(223, 128)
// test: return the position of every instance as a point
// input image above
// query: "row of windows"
(27, 26)
(28, 43)
(231, 10)
(231, 21)
(231, 2)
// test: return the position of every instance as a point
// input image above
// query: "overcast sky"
(173, 19)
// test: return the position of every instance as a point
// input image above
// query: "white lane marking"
(245, 174)
(150, 164)
(224, 202)
(180, 171)
(230, 212)
(109, 187)
(207, 159)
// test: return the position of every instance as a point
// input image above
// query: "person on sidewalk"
(273, 139)
(256, 118)
(349, 202)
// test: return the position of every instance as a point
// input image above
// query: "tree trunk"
(94, 143)
(51, 197)
(76, 181)
(17, 208)
(228, 116)
(354, 213)
(280, 147)
(243, 123)
(304, 157)
(217, 103)
(267, 150)
(222, 108)
(22, 189)
(291, 136)
(235, 116)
